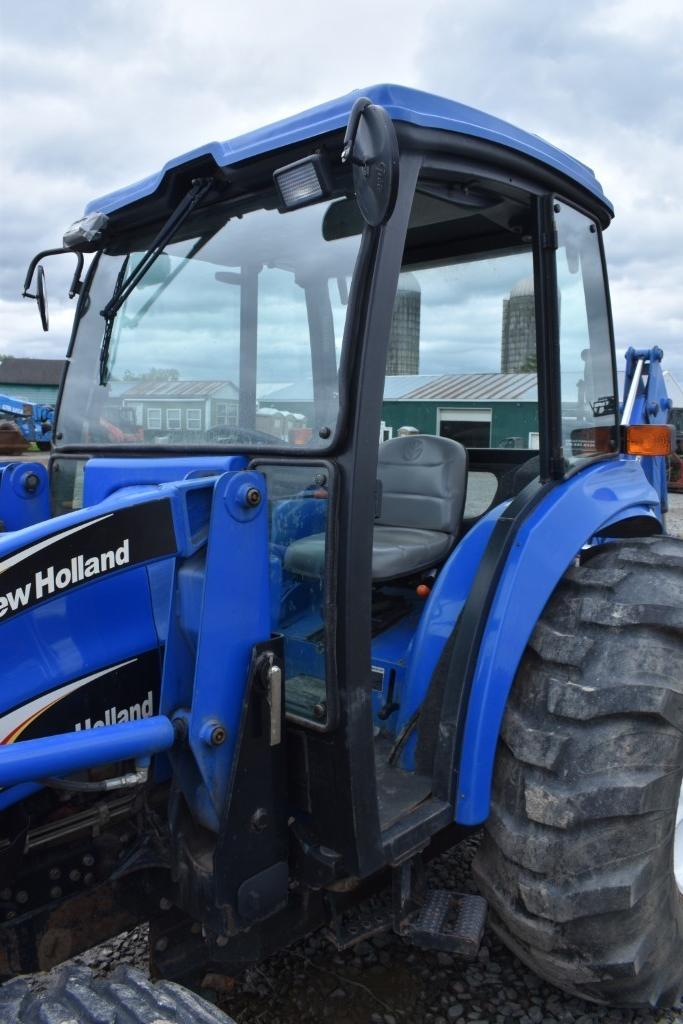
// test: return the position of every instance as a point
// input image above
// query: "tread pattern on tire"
(74, 995)
(576, 860)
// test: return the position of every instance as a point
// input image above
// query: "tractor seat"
(423, 481)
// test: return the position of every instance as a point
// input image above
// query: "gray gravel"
(387, 981)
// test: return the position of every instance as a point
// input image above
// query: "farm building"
(181, 407)
(481, 410)
(34, 380)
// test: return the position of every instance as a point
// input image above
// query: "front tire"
(72, 994)
(577, 858)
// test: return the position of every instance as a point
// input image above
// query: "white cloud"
(96, 97)
(604, 82)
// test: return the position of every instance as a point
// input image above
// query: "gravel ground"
(386, 981)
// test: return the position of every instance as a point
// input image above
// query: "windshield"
(233, 336)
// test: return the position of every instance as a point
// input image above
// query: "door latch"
(274, 699)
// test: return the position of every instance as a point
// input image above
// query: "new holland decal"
(123, 692)
(83, 553)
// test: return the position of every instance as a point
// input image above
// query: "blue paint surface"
(402, 104)
(442, 610)
(71, 752)
(75, 634)
(99, 622)
(390, 651)
(222, 609)
(652, 405)
(101, 477)
(19, 506)
(543, 549)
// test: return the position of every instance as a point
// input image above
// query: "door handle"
(274, 699)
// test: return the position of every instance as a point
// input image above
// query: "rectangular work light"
(302, 182)
(86, 234)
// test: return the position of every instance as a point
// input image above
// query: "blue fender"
(441, 610)
(548, 540)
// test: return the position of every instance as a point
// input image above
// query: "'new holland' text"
(48, 581)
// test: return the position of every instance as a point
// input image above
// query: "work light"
(85, 234)
(302, 182)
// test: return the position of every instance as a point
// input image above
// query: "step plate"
(449, 921)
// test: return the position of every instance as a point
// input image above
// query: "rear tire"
(577, 858)
(75, 994)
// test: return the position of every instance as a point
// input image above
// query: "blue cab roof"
(403, 104)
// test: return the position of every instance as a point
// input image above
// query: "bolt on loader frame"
(239, 699)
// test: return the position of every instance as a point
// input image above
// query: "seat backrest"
(424, 480)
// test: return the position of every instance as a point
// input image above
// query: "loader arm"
(137, 657)
(97, 565)
(645, 401)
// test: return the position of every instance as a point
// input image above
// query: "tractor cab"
(340, 411)
(293, 310)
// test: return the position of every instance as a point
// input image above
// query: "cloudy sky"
(94, 95)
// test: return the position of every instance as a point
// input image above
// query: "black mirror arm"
(76, 280)
(352, 127)
(76, 283)
(371, 146)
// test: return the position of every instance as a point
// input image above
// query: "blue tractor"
(262, 659)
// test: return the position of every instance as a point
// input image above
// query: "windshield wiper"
(109, 326)
(200, 186)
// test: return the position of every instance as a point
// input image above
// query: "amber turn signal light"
(648, 439)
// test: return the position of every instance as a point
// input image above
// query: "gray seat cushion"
(401, 552)
(423, 481)
(395, 552)
(306, 557)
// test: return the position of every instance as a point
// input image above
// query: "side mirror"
(40, 297)
(371, 145)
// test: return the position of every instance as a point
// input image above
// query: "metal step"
(451, 922)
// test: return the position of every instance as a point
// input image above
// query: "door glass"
(299, 500)
(461, 361)
(589, 406)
